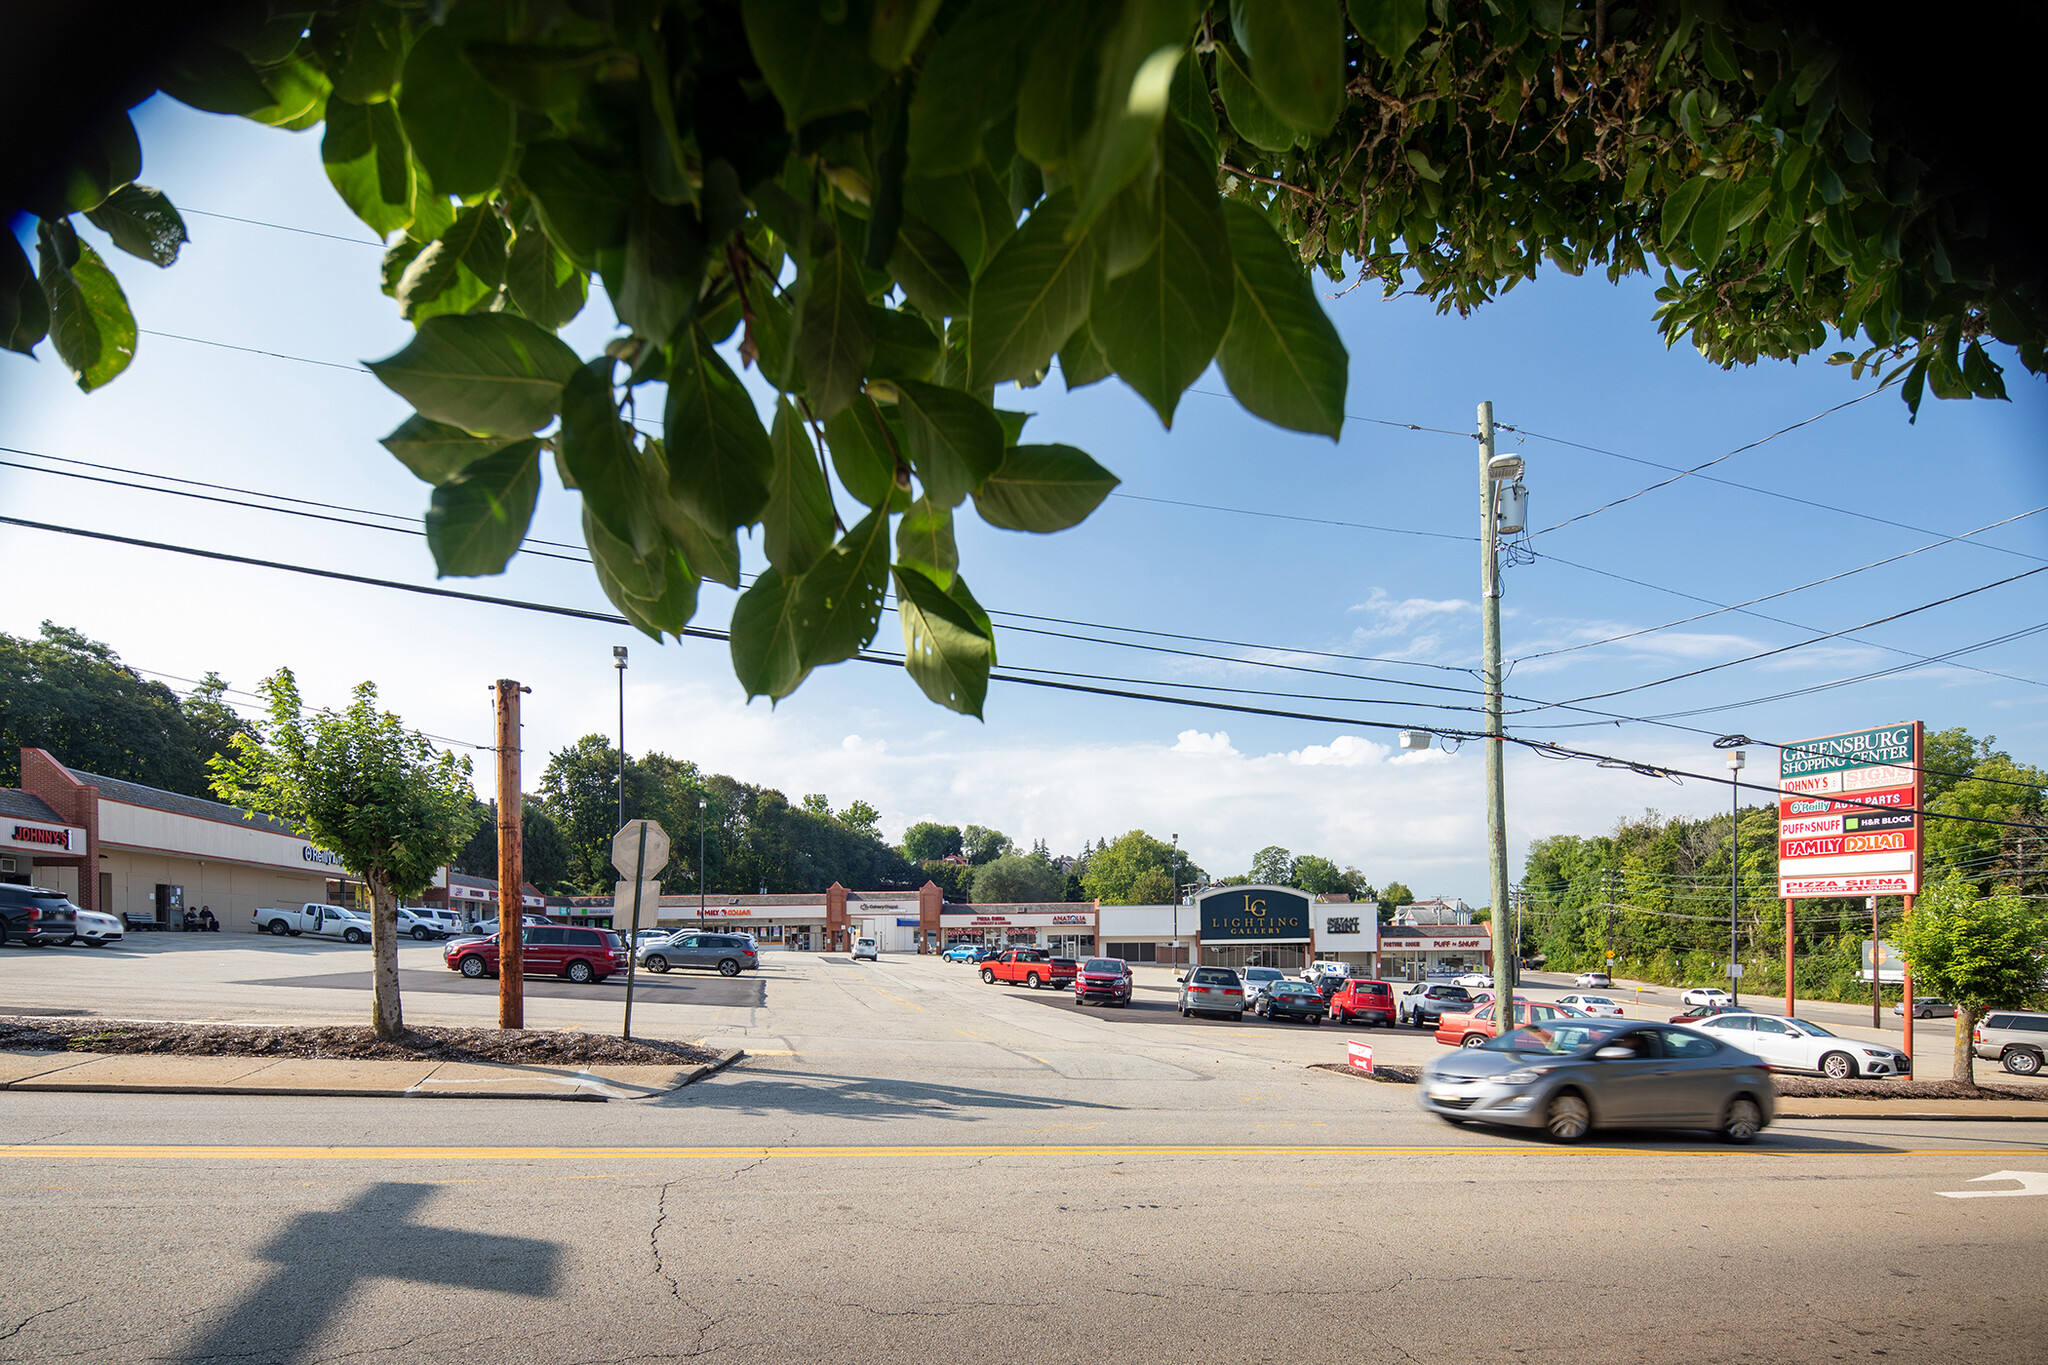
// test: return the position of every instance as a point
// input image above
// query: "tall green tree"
(1977, 952)
(891, 209)
(983, 845)
(1273, 865)
(358, 782)
(1122, 873)
(544, 854)
(1017, 878)
(927, 841)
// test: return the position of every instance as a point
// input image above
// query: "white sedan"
(1800, 1045)
(1593, 979)
(1471, 979)
(1599, 1006)
(1706, 995)
(96, 929)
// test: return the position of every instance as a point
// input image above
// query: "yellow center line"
(898, 999)
(110, 1152)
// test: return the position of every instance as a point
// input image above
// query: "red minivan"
(582, 955)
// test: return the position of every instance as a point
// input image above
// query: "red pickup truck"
(1033, 967)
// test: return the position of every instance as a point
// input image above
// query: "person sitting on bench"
(191, 921)
(206, 920)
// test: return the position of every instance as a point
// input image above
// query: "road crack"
(40, 1313)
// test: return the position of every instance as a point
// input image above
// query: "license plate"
(1443, 1094)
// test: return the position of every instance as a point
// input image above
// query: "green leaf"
(863, 456)
(1392, 26)
(671, 599)
(1709, 227)
(142, 223)
(1296, 48)
(1160, 325)
(24, 312)
(718, 456)
(814, 65)
(90, 324)
(715, 556)
(1190, 103)
(1250, 115)
(437, 452)
(1031, 297)
(583, 207)
(971, 211)
(97, 165)
(542, 77)
(489, 373)
(546, 286)
(924, 540)
(476, 522)
(459, 128)
(475, 242)
(952, 438)
(766, 657)
(603, 458)
(1043, 488)
(1678, 207)
(796, 527)
(1281, 357)
(1056, 99)
(664, 270)
(361, 49)
(1082, 361)
(969, 80)
(1138, 63)
(931, 272)
(839, 602)
(298, 95)
(366, 160)
(905, 345)
(946, 651)
(838, 336)
(216, 79)
(896, 27)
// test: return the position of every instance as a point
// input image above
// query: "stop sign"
(635, 860)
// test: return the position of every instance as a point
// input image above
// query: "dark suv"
(1422, 1006)
(36, 916)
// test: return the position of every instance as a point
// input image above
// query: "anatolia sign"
(1847, 814)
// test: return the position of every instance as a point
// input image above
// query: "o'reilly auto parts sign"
(1847, 814)
(1253, 914)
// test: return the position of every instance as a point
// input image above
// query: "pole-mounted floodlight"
(1504, 468)
(1417, 739)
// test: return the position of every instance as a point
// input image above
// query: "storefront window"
(1288, 957)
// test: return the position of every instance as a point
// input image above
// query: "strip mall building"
(127, 849)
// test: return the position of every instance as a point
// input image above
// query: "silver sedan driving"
(1570, 1076)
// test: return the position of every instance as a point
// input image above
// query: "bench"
(140, 923)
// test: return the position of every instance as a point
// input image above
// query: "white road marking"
(2031, 1182)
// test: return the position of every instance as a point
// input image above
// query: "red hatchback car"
(1369, 1002)
(582, 955)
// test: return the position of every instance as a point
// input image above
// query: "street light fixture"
(619, 662)
(1736, 759)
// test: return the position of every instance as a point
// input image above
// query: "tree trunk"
(385, 1016)
(1965, 1065)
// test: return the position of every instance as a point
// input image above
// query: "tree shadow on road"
(868, 1098)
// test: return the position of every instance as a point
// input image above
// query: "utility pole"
(1510, 467)
(511, 868)
(1176, 903)
(700, 862)
(619, 662)
(1736, 759)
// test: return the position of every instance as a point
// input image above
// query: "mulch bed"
(1391, 1075)
(530, 1046)
(1789, 1087)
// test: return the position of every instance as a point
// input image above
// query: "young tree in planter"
(1977, 953)
(360, 783)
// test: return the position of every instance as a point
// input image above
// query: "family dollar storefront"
(1254, 926)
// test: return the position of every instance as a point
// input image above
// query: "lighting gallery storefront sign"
(1848, 822)
(1253, 914)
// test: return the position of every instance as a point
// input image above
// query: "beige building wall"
(234, 891)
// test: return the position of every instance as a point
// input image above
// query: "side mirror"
(1616, 1054)
(1180, 976)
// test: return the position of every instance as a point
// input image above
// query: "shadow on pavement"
(321, 1257)
(1773, 1141)
(868, 1098)
(648, 988)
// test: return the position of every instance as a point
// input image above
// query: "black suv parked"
(1421, 1006)
(36, 915)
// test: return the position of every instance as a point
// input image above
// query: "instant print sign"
(1848, 822)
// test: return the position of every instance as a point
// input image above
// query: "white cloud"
(1345, 751)
(854, 744)
(1195, 742)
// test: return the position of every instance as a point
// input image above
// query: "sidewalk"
(152, 1074)
(1999, 1111)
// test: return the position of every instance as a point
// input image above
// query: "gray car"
(1571, 1076)
(2015, 1038)
(1423, 1004)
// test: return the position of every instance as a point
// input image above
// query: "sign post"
(1849, 823)
(639, 852)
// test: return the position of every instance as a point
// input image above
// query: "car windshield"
(1556, 1039)
(1292, 988)
(1108, 966)
(1808, 1026)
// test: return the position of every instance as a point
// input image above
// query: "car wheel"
(473, 966)
(988, 977)
(1838, 1066)
(579, 972)
(1032, 980)
(1472, 1040)
(277, 928)
(1569, 1119)
(656, 963)
(2021, 1062)
(419, 932)
(1238, 1017)
(1315, 1021)
(728, 967)
(352, 936)
(1742, 1122)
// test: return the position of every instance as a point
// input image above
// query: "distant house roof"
(25, 806)
(155, 798)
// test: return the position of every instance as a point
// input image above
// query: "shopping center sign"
(1848, 822)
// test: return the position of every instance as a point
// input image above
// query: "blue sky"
(1573, 359)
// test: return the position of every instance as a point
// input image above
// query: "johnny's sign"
(1253, 914)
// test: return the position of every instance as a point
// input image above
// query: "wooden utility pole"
(511, 870)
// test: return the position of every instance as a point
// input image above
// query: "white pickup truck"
(327, 921)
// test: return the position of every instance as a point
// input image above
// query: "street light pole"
(1736, 758)
(619, 662)
(700, 862)
(1492, 472)
(1176, 903)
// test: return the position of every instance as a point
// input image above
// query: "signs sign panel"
(638, 859)
(1253, 914)
(1835, 835)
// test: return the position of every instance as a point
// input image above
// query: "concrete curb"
(707, 1070)
(1866, 1117)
